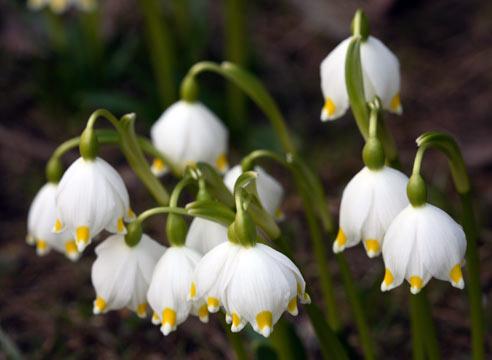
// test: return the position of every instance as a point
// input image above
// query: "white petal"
(203, 235)
(332, 71)
(189, 132)
(382, 70)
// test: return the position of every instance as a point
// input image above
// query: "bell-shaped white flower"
(370, 202)
(203, 235)
(381, 75)
(169, 290)
(41, 217)
(188, 132)
(91, 197)
(269, 190)
(121, 274)
(254, 284)
(423, 242)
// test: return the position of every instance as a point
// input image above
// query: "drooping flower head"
(204, 235)
(254, 284)
(169, 289)
(370, 202)
(41, 217)
(423, 242)
(188, 132)
(381, 76)
(121, 273)
(91, 197)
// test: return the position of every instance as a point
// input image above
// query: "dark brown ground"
(444, 50)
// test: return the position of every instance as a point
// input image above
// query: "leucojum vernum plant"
(225, 261)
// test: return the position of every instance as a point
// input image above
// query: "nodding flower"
(169, 289)
(121, 274)
(91, 197)
(254, 284)
(423, 242)
(187, 133)
(60, 6)
(381, 76)
(370, 202)
(40, 220)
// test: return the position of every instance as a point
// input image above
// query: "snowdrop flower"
(381, 75)
(41, 217)
(60, 6)
(188, 132)
(121, 274)
(370, 202)
(91, 197)
(203, 235)
(269, 190)
(423, 242)
(168, 291)
(254, 284)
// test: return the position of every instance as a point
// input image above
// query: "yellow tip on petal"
(58, 226)
(329, 108)
(192, 293)
(82, 234)
(155, 319)
(221, 163)
(169, 317)
(99, 305)
(292, 306)
(158, 167)
(416, 284)
(457, 277)
(387, 281)
(372, 248)
(120, 225)
(130, 214)
(213, 304)
(236, 320)
(42, 247)
(340, 242)
(203, 313)
(264, 323)
(237, 323)
(395, 104)
(279, 214)
(142, 310)
(71, 250)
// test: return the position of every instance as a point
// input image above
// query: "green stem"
(418, 351)
(236, 47)
(357, 308)
(428, 328)
(161, 50)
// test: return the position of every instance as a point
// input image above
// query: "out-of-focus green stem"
(359, 314)
(236, 51)
(429, 332)
(161, 49)
(91, 27)
(56, 30)
(418, 351)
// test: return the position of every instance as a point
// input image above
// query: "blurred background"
(130, 55)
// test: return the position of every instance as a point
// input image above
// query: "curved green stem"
(161, 210)
(447, 145)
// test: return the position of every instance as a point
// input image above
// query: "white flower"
(381, 75)
(169, 288)
(423, 242)
(41, 217)
(370, 202)
(204, 235)
(188, 132)
(60, 6)
(269, 190)
(121, 274)
(253, 284)
(91, 197)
